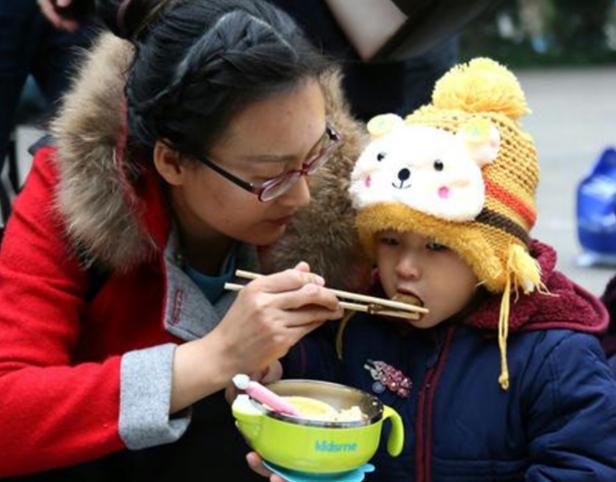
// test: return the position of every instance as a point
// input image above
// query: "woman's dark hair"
(198, 62)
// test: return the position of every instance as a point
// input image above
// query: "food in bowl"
(318, 410)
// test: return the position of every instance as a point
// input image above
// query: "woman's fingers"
(272, 373)
(231, 393)
(56, 19)
(292, 289)
(254, 462)
(308, 295)
(296, 333)
(288, 280)
(303, 266)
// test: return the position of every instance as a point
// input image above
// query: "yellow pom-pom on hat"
(471, 101)
(482, 85)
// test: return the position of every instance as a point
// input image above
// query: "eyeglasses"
(277, 186)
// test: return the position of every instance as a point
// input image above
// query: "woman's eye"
(273, 175)
(380, 156)
(438, 165)
(434, 246)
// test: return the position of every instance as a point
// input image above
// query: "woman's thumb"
(302, 266)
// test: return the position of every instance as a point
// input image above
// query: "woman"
(174, 158)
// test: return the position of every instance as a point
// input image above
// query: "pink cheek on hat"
(443, 192)
(367, 181)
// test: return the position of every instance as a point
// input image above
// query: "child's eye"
(388, 241)
(438, 165)
(434, 246)
(380, 156)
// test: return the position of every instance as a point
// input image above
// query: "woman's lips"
(282, 221)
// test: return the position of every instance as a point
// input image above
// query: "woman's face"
(264, 140)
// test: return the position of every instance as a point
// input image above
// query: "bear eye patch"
(380, 156)
(438, 165)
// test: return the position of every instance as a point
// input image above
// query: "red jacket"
(63, 414)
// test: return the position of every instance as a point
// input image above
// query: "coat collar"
(565, 306)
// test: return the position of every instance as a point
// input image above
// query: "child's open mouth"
(409, 299)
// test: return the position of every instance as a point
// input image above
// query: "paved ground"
(574, 119)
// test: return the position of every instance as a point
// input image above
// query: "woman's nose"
(298, 196)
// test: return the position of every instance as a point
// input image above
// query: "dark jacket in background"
(609, 341)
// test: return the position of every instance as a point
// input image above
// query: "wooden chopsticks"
(373, 304)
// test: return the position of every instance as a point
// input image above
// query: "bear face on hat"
(425, 168)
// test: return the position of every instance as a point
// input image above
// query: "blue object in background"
(596, 212)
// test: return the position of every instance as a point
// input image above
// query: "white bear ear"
(383, 124)
(482, 139)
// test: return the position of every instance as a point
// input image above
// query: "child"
(503, 379)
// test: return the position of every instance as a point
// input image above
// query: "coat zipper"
(423, 427)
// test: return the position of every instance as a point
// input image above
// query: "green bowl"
(315, 446)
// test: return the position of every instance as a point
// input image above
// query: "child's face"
(410, 264)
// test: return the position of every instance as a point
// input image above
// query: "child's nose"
(409, 267)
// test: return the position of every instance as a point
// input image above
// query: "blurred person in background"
(41, 39)
(581, 25)
(536, 18)
(399, 85)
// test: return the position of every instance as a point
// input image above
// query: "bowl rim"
(321, 423)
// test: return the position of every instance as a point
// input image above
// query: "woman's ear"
(169, 164)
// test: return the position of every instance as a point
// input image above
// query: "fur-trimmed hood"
(106, 224)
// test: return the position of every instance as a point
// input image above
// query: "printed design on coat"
(425, 168)
(386, 377)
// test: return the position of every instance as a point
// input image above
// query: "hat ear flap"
(482, 139)
(383, 124)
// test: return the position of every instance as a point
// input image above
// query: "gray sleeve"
(145, 397)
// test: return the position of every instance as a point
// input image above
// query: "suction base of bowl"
(356, 475)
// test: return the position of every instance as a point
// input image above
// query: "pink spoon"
(264, 395)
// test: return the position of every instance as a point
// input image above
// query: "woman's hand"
(256, 463)
(269, 316)
(56, 19)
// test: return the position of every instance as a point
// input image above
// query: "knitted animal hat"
(462, 172)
